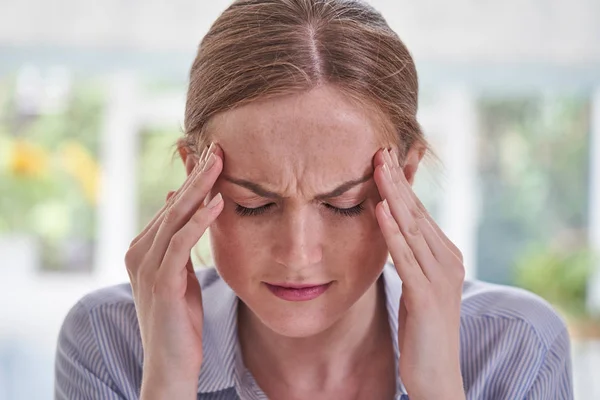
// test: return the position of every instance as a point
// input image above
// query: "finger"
(147, 236)
(151, 228)
(140, 245)
(153, 220)
(415, 204)
(185, 206)
(387, 158)
(208, 150)
(404, 260)
(172, 275)
(404, 190)
(440, 233)
(193, 294)
(413, 199)
(407, 222)
(395, 157)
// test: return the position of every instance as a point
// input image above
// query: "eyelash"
(345, 212)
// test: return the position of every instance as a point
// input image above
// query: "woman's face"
(299, 208)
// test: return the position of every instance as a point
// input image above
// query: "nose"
(297, 241)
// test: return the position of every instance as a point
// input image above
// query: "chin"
(297, 329)
(296, 320)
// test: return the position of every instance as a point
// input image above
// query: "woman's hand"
(432, 275)
(166, 291)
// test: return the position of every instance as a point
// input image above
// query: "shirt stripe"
(513, 345)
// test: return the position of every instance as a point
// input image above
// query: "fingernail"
(386, 209)
(197, 168)
(388, 157)
(215, 200)
(203, 154)
(394, 154)
(387, 172)
(209, 163)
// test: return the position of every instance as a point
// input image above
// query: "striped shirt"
(512, 345)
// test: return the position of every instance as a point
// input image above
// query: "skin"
(299, 147)
(336, 346)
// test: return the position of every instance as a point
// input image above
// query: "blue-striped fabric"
(513, 345)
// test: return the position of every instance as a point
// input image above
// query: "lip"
(292, 292)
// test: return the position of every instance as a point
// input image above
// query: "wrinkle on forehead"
(297, 145)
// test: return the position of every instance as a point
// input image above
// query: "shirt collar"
(221, 362)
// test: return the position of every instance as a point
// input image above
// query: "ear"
(412, 160)
(189, 158)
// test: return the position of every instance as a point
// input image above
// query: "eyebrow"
(262, 192)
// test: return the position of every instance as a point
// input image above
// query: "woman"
(301, 145)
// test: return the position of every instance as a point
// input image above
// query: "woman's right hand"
(166, 292)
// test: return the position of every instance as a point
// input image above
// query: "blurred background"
(92, 99)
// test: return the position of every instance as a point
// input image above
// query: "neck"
(322, 362)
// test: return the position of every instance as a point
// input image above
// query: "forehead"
(301, 127)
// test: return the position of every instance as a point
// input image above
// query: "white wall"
(561, 31)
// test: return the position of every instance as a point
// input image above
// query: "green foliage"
(533, 168)
(49, 171)
(558, 276)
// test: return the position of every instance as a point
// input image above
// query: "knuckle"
(130, 260)
(459, 272)
(172, 215)
(459, 255)
(178, 242)
(420, 206)
(199, 219)
(198, 183)
(172, 199)
(408, 257)
(159, 288)
(413, 229)
(134, 241)
(395, 172)
(416, 213)
(454, 277)
(398, 237)
(163, 289)
(170, 195)
(144, 273)
(132, 278)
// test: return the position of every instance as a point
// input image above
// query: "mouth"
(303, 292)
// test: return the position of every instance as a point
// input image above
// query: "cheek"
(360, 234)
(238, 249)
(242, 246)
(360, 250)
(233, 242)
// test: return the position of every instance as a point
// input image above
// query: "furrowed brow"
(262, 192)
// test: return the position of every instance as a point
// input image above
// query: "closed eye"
(250, 212)
(346, 212)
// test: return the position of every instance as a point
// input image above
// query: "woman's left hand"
(432, 273)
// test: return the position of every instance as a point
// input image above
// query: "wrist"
(450, 395)
(157, 385)
(450, 390)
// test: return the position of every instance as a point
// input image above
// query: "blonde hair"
(259, 49)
